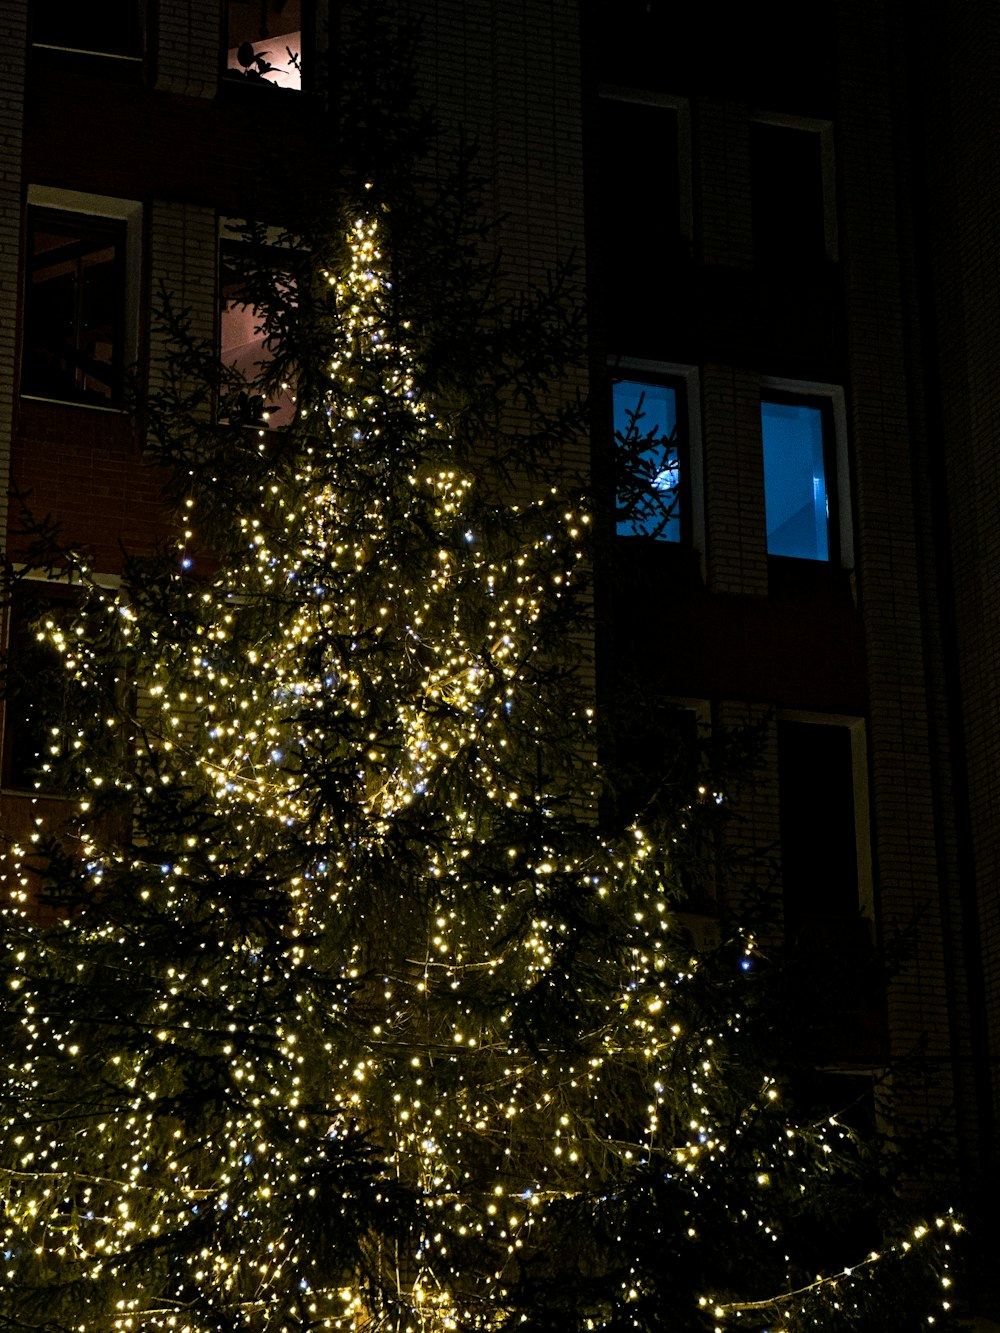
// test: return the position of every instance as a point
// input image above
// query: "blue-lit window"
(650, 479)
(796, 478)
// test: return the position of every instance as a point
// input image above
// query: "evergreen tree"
(342, 1008)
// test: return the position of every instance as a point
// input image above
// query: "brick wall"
(183, 264)
(13, 42)
(734, 480)
(188, 45)
(963, 192)
(752, 837)
(972, 447)
(505, 80)
(723, 184)
(83, 466)
(882, 394)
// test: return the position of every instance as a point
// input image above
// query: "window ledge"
(32, 794)
(75, 402)
(88, 51)
(233, 78)
(790, 579)
(637, 555)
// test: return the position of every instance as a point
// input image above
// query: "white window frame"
(103, 206)
(634, 367)
(838, 409)
(823, 128)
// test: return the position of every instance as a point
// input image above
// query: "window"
(245, 345)
(643, 203)
(657, 754)
(74, 307)
(648, 498)
(657, 479)
(657, 761)
(36, 683)
(112, 28)
(79, 325)
(795, 489)
(794, 217)
(836, 995)
(62, 689)
(264, 41)
(825, 864)
(806, 497)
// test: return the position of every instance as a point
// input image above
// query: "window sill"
(55, 65)
(8, 790)
(110, 409)
(86, 51)
(791, 579)
(233, 79)
(642, 557)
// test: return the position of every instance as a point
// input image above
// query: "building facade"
(786, 231)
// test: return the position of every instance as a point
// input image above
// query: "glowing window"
(796, 490)
(264, 41)
(650, 480)
(245, 344)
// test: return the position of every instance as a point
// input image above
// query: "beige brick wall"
(752, 837)
(734, 480)
(723, 184)
(183, 261)
(505, 79)
(188, 47)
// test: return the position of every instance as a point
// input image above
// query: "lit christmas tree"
(346, 1011)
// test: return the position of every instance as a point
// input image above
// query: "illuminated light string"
(411, 671)
(721, 1309)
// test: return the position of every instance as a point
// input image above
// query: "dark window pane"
(649, 465)
(787, 183)
(264, 41)
(633, 40)
(74, 318)
(819, 857)
(35, 680)
(656, 760)
(796, 493)
(835, 996)
(639, 200)
(654, 773)
(112, 27)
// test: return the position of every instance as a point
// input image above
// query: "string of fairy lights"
(369, 631)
